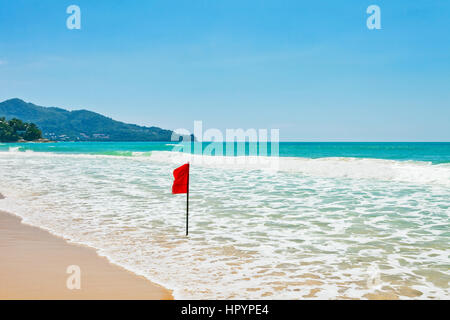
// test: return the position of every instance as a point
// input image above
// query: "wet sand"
(33, 265)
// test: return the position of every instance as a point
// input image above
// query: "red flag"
(181, 182)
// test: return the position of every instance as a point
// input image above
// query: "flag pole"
(187, 203)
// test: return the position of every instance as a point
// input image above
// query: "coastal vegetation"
(15, 130)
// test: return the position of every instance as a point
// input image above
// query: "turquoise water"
(419, 151)
(333, 220)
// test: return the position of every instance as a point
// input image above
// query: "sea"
(329, 221)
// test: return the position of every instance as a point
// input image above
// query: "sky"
(311, 69)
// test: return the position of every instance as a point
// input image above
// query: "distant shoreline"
(34, 141)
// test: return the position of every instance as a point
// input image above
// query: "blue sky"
(310, 68)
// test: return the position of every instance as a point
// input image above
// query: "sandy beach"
(33, 265)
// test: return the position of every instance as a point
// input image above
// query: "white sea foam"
(14, 149)
(334, 167)
(174, 145)
(355, 168)
(314, 225)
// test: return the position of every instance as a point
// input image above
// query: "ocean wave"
(14, 149)
(174, 145)
(338, 167)
(18, 149)
(418, 172)
(115, 153)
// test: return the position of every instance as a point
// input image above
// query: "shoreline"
(34, 262)
(30, 141)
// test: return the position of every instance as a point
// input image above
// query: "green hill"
(80, 125)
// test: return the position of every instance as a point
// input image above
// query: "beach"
(326, 225)
(33, 265)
